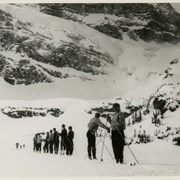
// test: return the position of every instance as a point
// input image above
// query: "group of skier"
(117, 123)
(53, 140)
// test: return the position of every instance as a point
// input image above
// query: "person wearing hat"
(70, 144)
(51, 141)
(93, 125)
(63, 135)
(46, 144)
(56, 141)
(118, 126)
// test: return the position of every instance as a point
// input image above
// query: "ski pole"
(128, 146)
(62, 140)
(107, 149)
(103, 143)
(72, 146)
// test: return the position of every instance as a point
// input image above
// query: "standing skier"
(35, 143)
(118, 126)
(51, 141)
(46, 144)
(70, 145)
(93, 125)
(39, 142)
(63, 135)
(17, 145)
(56, 141)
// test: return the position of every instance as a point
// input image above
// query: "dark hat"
(97, 115)
(70, 127)
(116, 105)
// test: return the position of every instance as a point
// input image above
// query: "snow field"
(157, 158)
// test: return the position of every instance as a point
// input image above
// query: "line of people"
(53, 140)
(117, 123)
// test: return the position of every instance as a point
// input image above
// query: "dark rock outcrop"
(31, 112)
(149, 22)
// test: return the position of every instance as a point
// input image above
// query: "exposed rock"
(160, 104)
(23, 72)
(20, 38)
(149, 22)
(31, 112)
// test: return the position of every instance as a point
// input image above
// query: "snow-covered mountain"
(42, 53)
(149, 22)
(61, 63)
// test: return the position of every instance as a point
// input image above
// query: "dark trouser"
(69, 147)
(63, 144)
(38, 147)
(46, 148)
(56, 147)
(51, 147)
(91, 144)
(118, 143)
(34, 146)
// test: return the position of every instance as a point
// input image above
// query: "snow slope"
(136, 64)
(156, 159)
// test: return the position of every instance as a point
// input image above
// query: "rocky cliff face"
(91, 41)
(149, 22)
(35, 42)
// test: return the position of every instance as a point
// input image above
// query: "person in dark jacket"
(35, 143)
(38, 142)
(70, 145)
(17, 145)
(93, 125)
(63, 135)
(56, 141)
(51, 141)
(46, 144)
(118, 126)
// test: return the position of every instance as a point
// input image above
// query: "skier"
(46, 144)
(93, 125)
(63, 135)
(56, 141)
(70, 145)
(17, 145)
(118, 125)
(38, 142)
(35, 143)
(51, 141)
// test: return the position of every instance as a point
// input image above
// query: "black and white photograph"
(89, 89)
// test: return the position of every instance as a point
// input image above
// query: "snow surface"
(157, 158)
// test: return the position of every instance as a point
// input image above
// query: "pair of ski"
(124, 163)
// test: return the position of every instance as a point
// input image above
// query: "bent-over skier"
(93, 125)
